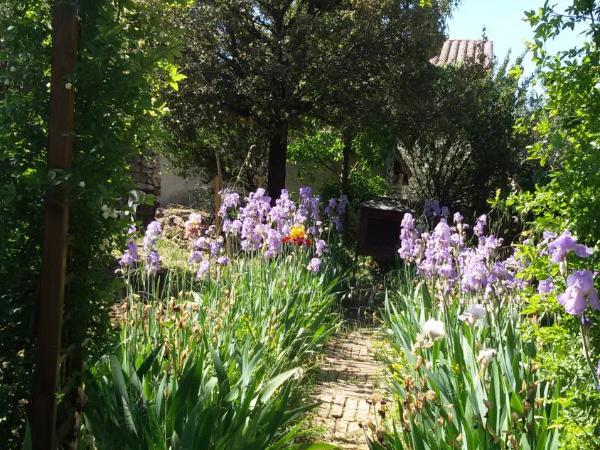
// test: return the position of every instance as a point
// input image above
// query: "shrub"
(459, 143)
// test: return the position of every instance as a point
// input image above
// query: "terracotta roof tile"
(460, 50)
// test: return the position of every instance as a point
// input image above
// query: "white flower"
(82, 184)
(485, 356)
(68, 86)
(473, 314)
(104, 244)
(109, 212)
(434, 329)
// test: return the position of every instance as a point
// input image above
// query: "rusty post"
(56, 222)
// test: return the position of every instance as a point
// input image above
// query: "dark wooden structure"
(379, 227)
(56, 224)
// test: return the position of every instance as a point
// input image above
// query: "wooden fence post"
(217, 198)
(56, 223)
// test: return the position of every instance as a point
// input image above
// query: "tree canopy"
(459, 142)
(257, 70)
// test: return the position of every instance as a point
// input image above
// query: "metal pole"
(56, 222)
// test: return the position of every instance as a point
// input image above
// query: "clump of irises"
(443, 256)
(150, 253)
(254, 224)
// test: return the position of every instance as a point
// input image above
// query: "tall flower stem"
(586, 352)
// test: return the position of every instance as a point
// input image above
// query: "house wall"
(191, 191)
(197, 191)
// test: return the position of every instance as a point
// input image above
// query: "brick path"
(347, 388)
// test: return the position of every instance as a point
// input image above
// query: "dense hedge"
(125, 49)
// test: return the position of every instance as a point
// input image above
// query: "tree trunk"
(277, 159)
(346, 152)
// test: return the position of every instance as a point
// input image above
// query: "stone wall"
(145, 171)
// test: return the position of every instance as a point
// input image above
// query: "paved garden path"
(348, 388)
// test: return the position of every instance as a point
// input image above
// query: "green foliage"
(363, 185)
(258, 71)
(214, 363)
(124, 61)
(458, 141)
(324, 148)
(319, 146)
(559, 339)
(446, 395)
(567, 195)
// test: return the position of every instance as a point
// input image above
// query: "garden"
(256, 316)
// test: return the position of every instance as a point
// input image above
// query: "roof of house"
(460, 50)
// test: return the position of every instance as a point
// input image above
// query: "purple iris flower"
(321, 247)
(314, 265)
(202, 243)
(233, 227)
(432, 208)
(153, 232)
(409, 239)
(215, 246)
(196, 256)
(438, 253)
(126, 260)
(274, 243)
(231, 200)
(456, 240)
(565, 243)
(580, 291)
(305, 192)
(331, 206)
(153, 262)
(545, 286)
(223, 260)
(308, 208)
(337, 223)
(283, 211)
(479, 228)
(131, 255)
(474, 271)
(203, 268)
(343, 204)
